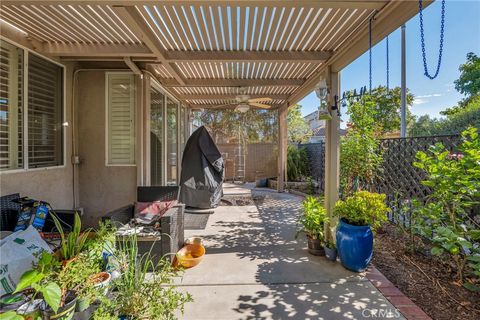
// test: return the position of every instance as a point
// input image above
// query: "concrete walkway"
(255, 269)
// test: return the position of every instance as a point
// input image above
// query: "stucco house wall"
(54, 185)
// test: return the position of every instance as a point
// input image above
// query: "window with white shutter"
(11, 107)
(31, 111)
(120, 119)
(45, 113)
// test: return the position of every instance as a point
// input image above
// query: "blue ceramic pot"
(354, 245)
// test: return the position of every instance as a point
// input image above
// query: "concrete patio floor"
(255, 269)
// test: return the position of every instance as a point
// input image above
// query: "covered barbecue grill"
(202, 172)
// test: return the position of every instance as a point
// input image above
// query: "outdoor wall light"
(322, 91)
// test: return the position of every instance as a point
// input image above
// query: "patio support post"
(332, 156)
(282, 147)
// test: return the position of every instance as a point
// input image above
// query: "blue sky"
(462, 35)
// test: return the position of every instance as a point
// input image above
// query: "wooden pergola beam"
(248, 56)
(79, 50)
(136, 22)
(135, 69)
(113, 58)
(350, 4)
(275, 106)
(89, 50)
(230, 96)
(235, 82)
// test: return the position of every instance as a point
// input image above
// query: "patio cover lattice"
(203, 51)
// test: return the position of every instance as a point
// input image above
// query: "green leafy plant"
(10, 315)
(297, 163)
(360, 154)
(363, 208)
(446, 216)
(330, 244)
(72, 244)
(310, 186)
(313, 219)
(39, 279)
(139, 296)
(75, 276)
(298, 129)
(103, 241)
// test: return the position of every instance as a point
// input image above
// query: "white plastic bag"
(18, 252)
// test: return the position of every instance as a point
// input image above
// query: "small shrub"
(446, 217)
(297, 163)
(363, 208)
(314, 218)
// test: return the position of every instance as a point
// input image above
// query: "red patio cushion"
(148, 212)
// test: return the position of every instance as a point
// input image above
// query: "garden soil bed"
(426, 280)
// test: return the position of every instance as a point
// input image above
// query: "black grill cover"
(202, 172)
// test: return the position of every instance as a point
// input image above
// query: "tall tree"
(469, 81)
(453, 123)
(253, 125)
(298, 129)
(386, 107)
(465, 114)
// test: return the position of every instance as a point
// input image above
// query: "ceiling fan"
(243, 103)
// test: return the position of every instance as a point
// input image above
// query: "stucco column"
(282, 147)
(332, 156)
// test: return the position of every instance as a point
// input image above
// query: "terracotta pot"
(315, 247)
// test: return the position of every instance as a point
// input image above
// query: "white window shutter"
(45, 113)
(11, 107)
(121, 119)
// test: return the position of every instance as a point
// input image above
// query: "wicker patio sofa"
(9, 212)
(171, 223)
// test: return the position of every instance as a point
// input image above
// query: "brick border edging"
(406, 306)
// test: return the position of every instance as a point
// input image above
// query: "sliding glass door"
(157, 134)
(167, 137)
(172, 142)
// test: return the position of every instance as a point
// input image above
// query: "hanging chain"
(370, 53)
(388, 67)
(422, 38)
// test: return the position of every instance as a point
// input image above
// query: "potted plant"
(39, 279)
(359, 214)
(312, 224)
(73, 243)
(84, 274)
(137, 297)
(330, 250)
(79, 276)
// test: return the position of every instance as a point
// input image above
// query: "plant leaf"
(58, 225)
(27, 279)
(471, 287)
(52, 295)
(10, 315)
(436, 251)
